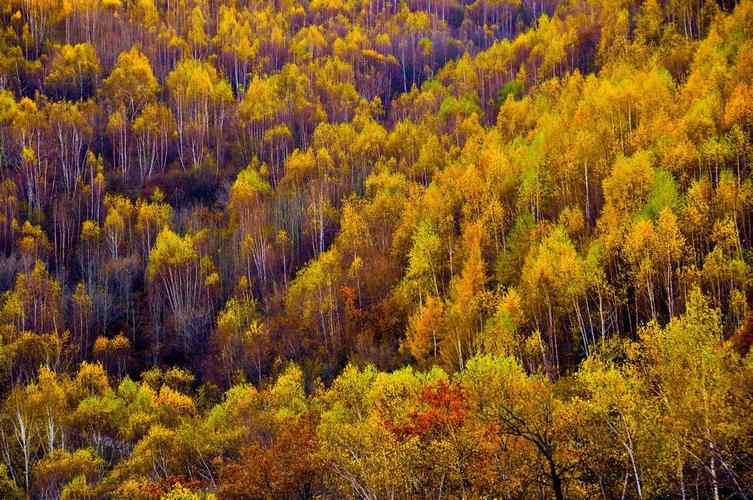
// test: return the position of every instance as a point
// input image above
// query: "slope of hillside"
(294, 249)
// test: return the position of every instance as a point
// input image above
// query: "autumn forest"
(376, 249)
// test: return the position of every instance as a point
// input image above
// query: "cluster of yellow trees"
(376, 249)
(666, 413)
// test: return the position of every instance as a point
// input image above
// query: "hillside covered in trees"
(373, 249)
